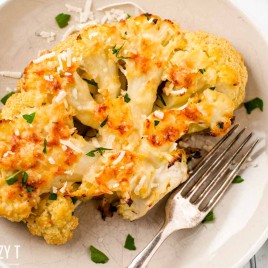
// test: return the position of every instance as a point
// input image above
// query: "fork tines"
(216, 171)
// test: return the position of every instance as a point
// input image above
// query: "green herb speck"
(253, 104)
(62, 19)
(97, 256)
(237, 179)
(6, 97)
(130, 243)
(209, 218)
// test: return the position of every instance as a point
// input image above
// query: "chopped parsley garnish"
(12, 178)
(24, 181)
(24, 178)
(129, 243)
(45, 146)
(147, 15)
(97, 256)
(212, 88)
(238, 179)
(74, 199)
(203, 70)
(160, 97)
(155, 21)
(210, 217)
(62, 19)
(220, 125)
(91, 82)
(29, 117)
(103, 123)
(253, 104)
(116, 51)
(6, 97)
(127, 99)
(99, 150)
(53, 196)
(125, 33)
(128, 16)
(156, 123)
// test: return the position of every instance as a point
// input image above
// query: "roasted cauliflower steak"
(100, 116)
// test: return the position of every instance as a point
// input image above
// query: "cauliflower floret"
(53, 219)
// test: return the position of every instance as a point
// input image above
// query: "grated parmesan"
(54, 190)
(51, 160)
(49, 78)
(69, 57)
(63, 188)
(178, 92)
(15, 75)
(140, 184)
(74, 93)
(119, 158)
(86, 14)
(114, 15)
(64, 147)
(159, 114)
(60, 63)
(60, 96)
(8, 153)
(49, 36)
(69, 172)
(69, 144)
(182, 107)
(17, 133)
(44, 57)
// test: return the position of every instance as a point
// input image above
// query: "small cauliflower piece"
(53, 219)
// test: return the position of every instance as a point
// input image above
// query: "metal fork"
(190, 203)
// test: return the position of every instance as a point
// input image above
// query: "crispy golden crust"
(141, 84)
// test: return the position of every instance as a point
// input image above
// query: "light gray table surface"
(256, 11)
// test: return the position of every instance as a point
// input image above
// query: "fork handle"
(142, 260)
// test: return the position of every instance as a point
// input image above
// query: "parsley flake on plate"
(253, 104)
(29, 117)
(62, 19)
(237, 179)
(97, 256)
(209, 218)
(130, 243)
(6, 97)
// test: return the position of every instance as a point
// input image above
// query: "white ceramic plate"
(241, 217)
